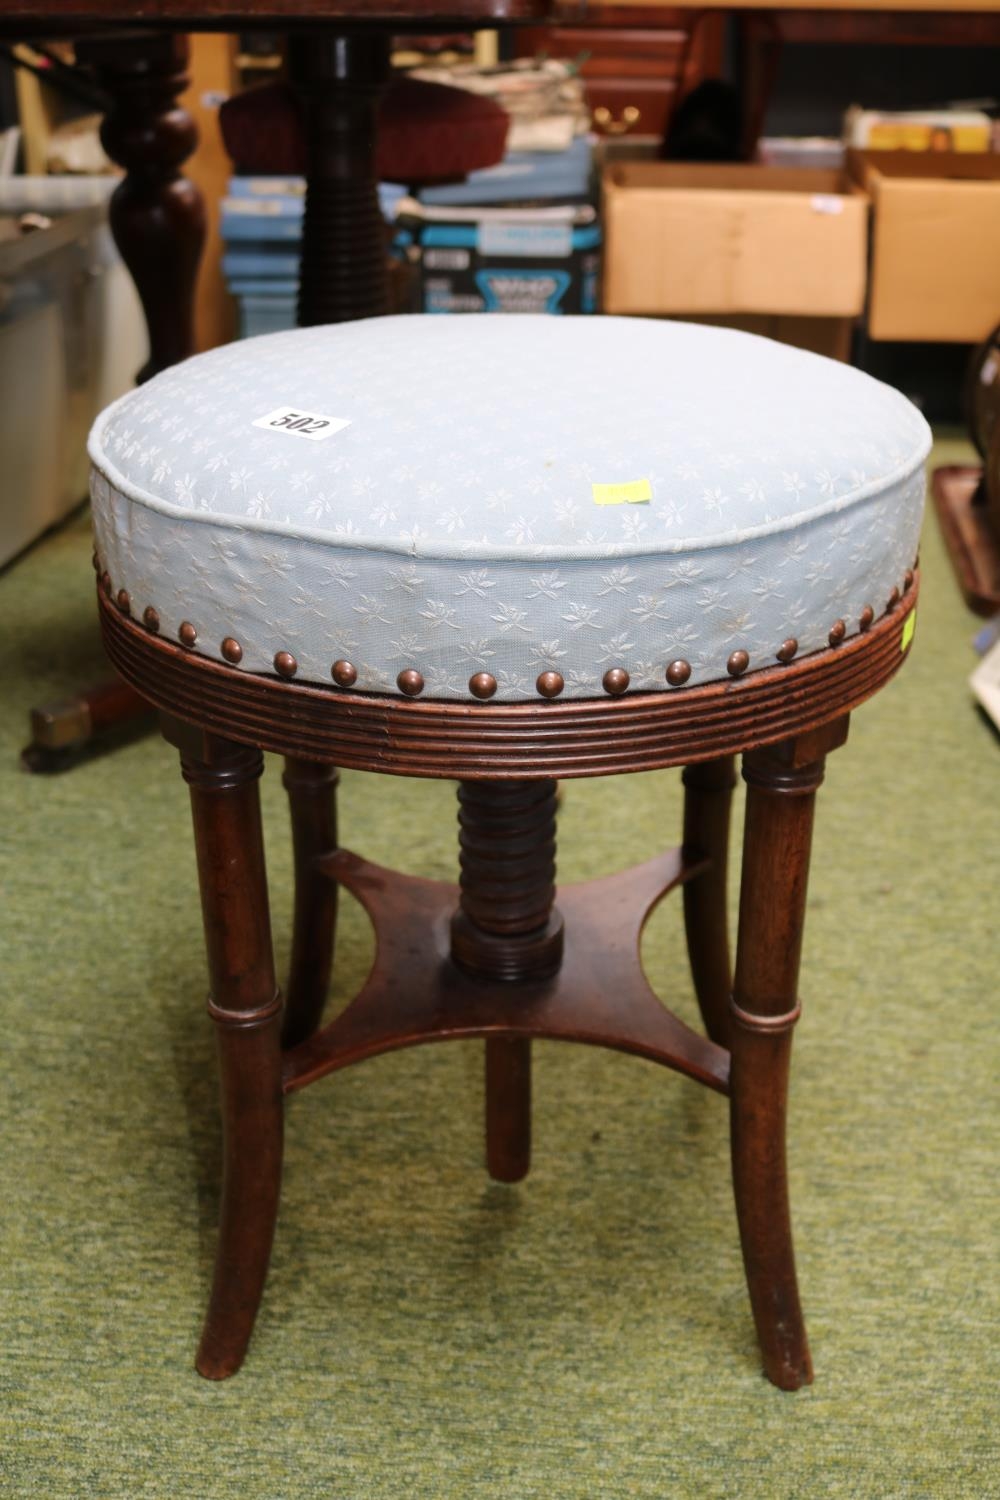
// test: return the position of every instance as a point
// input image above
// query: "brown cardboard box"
(733, 239)
(829, 336)
(935, 266)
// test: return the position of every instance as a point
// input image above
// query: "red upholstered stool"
(427, 132)
(444, 564)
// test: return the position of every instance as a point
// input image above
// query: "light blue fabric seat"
(511, 496)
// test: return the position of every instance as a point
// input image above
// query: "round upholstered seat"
(507, 507)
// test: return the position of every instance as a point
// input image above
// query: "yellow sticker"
(635, 492)
(908, 628)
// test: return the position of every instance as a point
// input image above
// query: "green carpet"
(425, 1333)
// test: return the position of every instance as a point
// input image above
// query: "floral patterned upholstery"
(502, 498)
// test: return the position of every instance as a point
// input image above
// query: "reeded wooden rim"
(582, 737)
(82, 17)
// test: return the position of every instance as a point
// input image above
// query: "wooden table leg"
(245, 1005)
(781, 790)
(708, 794)
(341, 76)
(158, 222)
(157, 215)
(312, 799)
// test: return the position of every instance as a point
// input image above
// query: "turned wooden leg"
(508, 1108)
(507, 928)
(341, 76)
(781, 792)
(158, 221)
(157, 216)
(245, 1005)
(312, 800)
(708, 794)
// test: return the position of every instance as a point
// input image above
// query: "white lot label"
(299, 423)
(827, 203)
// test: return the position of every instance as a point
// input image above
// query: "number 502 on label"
(299, 423)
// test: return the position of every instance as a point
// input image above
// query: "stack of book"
(522, 177)
(262, 234)
(523, 236)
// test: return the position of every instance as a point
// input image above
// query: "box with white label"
(935, 271)
(693, 238)
(504, 260)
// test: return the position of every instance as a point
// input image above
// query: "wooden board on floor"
(971, 543)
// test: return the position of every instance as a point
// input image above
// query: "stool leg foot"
(312, 801)
(250, 1067)
(508, 1108)
(246, 1008)
(759, 1084)
(781, 792)
(708, 794)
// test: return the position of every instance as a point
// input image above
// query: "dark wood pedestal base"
(158, 221)
(968, 534)
(503, 955)
(67, 730)
(341, 76)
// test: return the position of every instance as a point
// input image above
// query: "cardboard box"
(503, 260)
(831, 337)
(733, 239)
(918, 130)
(935, 265)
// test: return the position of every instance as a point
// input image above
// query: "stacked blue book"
(522, 236)
(262, 221)
(262, 234)
(522, 177)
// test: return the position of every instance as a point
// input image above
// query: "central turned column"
(157, 216)
(507, 928)
(340, 77)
